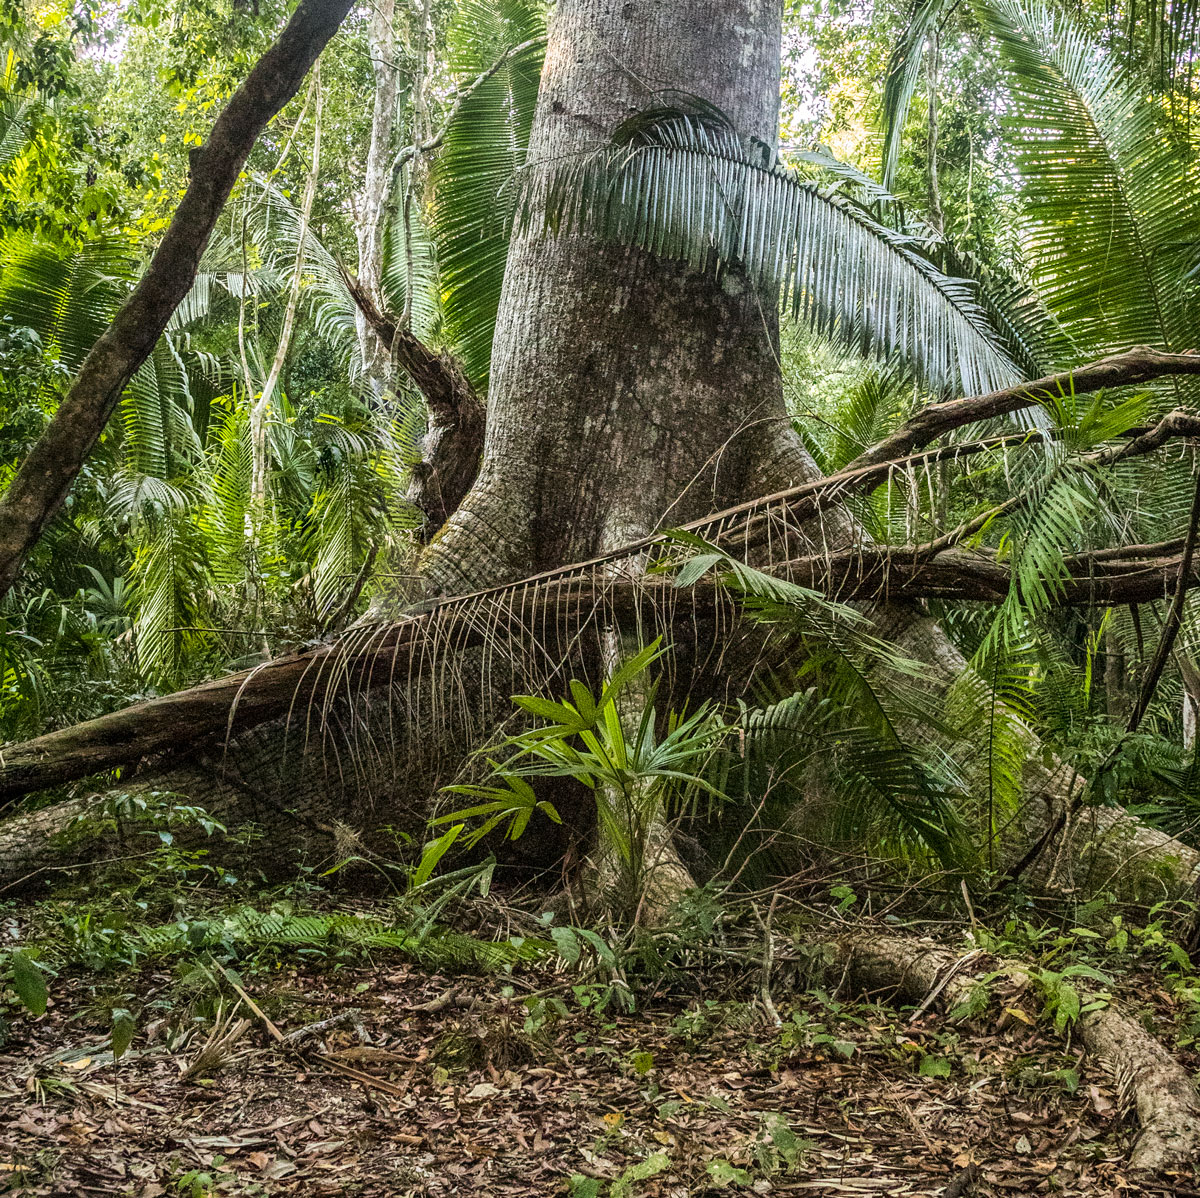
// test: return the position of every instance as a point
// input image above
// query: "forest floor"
(532, 1081)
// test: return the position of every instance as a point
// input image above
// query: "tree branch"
(177, 726)
(1174, 620)
(460, 98)
(1137, 365)
(45, 477)
(454, 437)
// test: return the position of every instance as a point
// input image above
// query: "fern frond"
(483, 150)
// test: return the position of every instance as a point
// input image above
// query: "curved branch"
(176, 726)
(454, 437)
(1138, 365)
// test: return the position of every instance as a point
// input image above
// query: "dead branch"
(1141, 364)
(176, 726)
(454, 437)
(1168, 1108)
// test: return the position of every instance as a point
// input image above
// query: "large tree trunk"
(627, 392)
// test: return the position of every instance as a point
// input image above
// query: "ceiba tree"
(629, 392)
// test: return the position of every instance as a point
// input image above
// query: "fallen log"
(176, 726)
(929, 975)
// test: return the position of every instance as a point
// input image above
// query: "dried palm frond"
(218, 1049)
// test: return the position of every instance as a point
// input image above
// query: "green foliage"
(1111, 211)
(613, 748)
(27, 980)
(890, 775)
(800, 1032)
(686, 186)
(1109, 184)
(473, 177)
(170, 511)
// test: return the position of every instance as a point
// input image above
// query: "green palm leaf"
(1111, 194)
(690, 189)
(15, 126)
(484, 147)
(903, 75)
(274, 221)
(67, 298)
(226, 518)
(408, 248)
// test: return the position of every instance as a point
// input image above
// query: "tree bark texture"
(453, 439)
(46, 475)
(628, 393)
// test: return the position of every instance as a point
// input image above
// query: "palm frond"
(16, 115)
(226, 516)
(892, 777)
(155, 415)
(1111, 194)
(406, 236)
(1161, 36)
(992, 704)
(1028, 332)
(903, 75)
(67, 297)
(484, 147)
(274, 220)
(168, 577)
(686, 189)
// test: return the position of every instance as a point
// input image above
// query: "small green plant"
(1063, 1003)
(617, 754)
(625, 1186)
(206, 1183)
(800, 1031)
(933, 1066)
(777, 1149)
(25, 979)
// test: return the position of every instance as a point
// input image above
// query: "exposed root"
(1151, 1079)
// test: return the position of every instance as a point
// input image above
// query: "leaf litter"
(388, 1078)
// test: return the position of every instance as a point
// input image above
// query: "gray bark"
(627, 392)
(373, 197)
